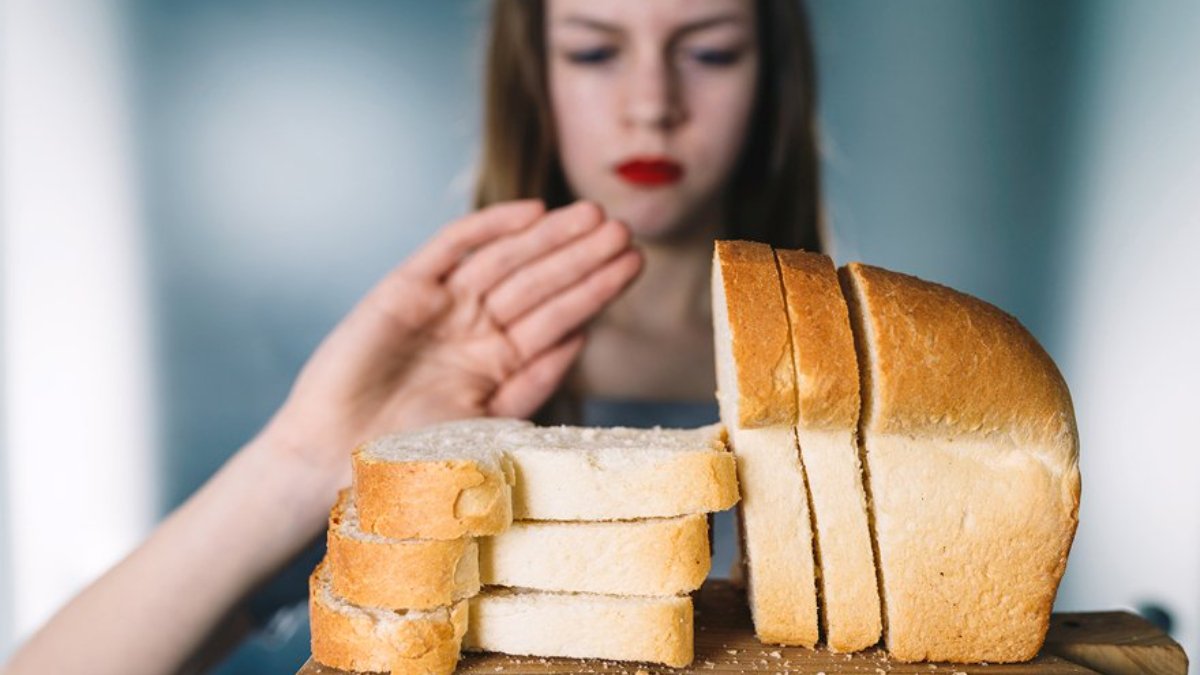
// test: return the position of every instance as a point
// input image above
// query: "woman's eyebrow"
(587, 22)
(690, 27)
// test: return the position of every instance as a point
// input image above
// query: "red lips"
(650, 171)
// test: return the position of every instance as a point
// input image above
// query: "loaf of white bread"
(610, 538)
(908, 469)
(941, 515)
(972, 461)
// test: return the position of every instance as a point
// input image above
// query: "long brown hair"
(774, 193)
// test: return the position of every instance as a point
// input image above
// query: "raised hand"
(484, 320)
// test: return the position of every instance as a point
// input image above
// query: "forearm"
(154, 609)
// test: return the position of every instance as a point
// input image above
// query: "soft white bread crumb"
(581, 625)
(579, 473)
(658, 556)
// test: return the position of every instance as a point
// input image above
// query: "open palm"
(484, 320)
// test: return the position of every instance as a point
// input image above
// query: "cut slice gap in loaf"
(582, 625)
(756, 390)
(370, 570)
(862, 352)
(972, 457)
(653, 557)
(349, 637)
(827, 393)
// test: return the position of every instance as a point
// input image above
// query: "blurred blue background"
(275, 158)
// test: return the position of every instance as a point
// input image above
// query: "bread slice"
(756, 391)
(472, 477)
(356, 638)
(369, 570)
(442, 482)
(660, 556)
(972, 464)
(582, 625)
(827, 391)
(580, 473)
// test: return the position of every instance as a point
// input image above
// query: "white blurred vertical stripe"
(79, 418)
(1136, 319)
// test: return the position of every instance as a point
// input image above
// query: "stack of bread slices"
(908, 460)
(497, 535)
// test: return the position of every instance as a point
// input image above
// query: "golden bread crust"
(822, 345)
(944, 362)
(429, 499)
(762, 342)
(398, 573)
(358, 641)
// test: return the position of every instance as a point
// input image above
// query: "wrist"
(303, 482)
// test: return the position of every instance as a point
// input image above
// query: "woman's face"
(651, 104)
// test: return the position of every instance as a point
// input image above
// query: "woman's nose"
(652, 96)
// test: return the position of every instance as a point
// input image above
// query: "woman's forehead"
(666, 16)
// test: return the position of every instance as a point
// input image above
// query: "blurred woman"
(681, 120)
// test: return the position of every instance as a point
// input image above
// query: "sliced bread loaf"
(756, 390)
(582, 625)
(827, 391)
(972, 463)
(658, 556)
(374, 571)
(349, 637)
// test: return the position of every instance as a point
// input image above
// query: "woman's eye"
(591, 56)
(715, 57)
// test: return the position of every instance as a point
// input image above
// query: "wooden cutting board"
(1117, 643)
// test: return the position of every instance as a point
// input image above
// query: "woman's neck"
(673, 291)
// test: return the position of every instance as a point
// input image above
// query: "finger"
(442, 253)
(530, 286)
(495, 261)
(566, 312)
(529, 388)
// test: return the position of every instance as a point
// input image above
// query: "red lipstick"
(650, 171)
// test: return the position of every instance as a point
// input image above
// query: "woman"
(686, 119)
